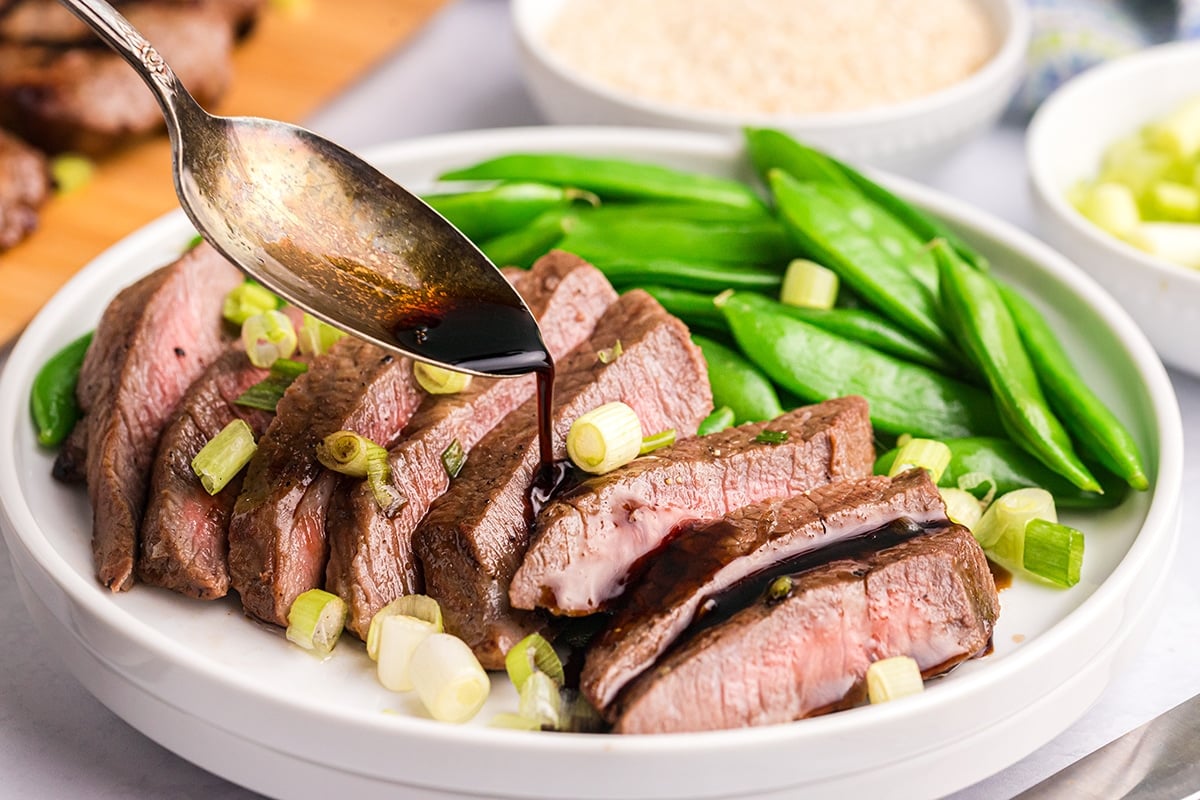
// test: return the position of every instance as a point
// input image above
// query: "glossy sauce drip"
(1000, 576)
(550, 481)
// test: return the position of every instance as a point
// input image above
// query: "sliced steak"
(930, 597)
(184, 535)
(88, 100)
(371, 561)
(153, 340)
(277, 543)
(24, 186)
(586, 543)
(705, 559)
(49, 22)
(475, 535)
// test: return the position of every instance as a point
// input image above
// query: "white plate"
(236, 699)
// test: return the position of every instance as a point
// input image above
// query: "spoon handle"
(121, 36)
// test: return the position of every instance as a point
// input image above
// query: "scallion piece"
(657, 441)
(316, 337)
(71, 172)
(267, 393)
(892, 678)
(971, 481)
(347, 452)
(448, 678)
(1001, 530)
(268, 336)
(1053, 552)
(398, 637)
(780, 588)
(807, 284)
(578, 715)
(532, 654)
(514, 722)
(771, 437)
(541, 700)
(224, 456)
(438, 380)
(929, 454)
(453, 458)
(420, 606)
(717, 421)
(316, 620)
(962, 507)
(605, 438)
(247, 300)
(610, 354)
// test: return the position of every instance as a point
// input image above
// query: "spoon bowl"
(330, 233)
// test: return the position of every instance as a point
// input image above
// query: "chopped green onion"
(193, 243)
(448, 678)
(962, 507)
(657, 441)
(71, 172)
(266, 394)
(1177, 133)
(316, 337)
(316, 620)
(246, 300)
(438, 380)
(809, 285)
(515, 722)
(771, 437)
(1111, 206)
(610, 354)
(453, 458)
(268, 336)
(398, 637)
(892, 678)
(420, 606)
(1174, 201)
(379, 478)
(357, 456)
(717, 421)
(541, 700)
(928, 454)
(224, 455)
(578, 715)
(605, 438)
(1002, 527)
(1053, 552)
(971, 481)
(780, 588)
(532, 654)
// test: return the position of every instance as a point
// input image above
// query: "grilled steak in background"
(930, 597)
(371, 561)
(184, 541)
(24, 186)
(705, 559)
(586, 542)
(49, 22)
(153, 340)
(277, 543)
(475, 535)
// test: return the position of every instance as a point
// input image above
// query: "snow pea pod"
(694, 308)
(1011, 467)
(816, 365)
(869, 328)
(1093, 425)
(52, 399)
(709, 276)
(715, 422)
(818, 217)
(486, 213)
(738, 384)
(976, 311)
(762, 241)
(615, 179)
(771, 149)
(523, 246)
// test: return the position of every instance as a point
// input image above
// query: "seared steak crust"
(707, 558)
(371, 560)
(24, 186)
(475, 535)
(930, 597)
(154, 339)
(586, 543)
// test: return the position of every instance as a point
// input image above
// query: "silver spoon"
(329, 232)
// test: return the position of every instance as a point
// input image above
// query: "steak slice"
(371, 561)
(88, 100)
(930, 597)
(277, 543)
(153, 340)
(586, 543)
(475, 535)
(705, 559)
(49, 22)
(24, 186)
(185, 532)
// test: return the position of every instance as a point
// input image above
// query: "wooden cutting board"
(300, 55)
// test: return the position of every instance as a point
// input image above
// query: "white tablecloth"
(461, 73)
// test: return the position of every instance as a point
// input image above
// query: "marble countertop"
(461, 73)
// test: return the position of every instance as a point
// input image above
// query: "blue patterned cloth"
(1071, 35)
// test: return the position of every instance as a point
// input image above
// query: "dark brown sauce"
(550, 482)
(1000, 576)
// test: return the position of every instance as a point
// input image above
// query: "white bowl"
(906, 137)
(238, 700)
(1066, 140)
